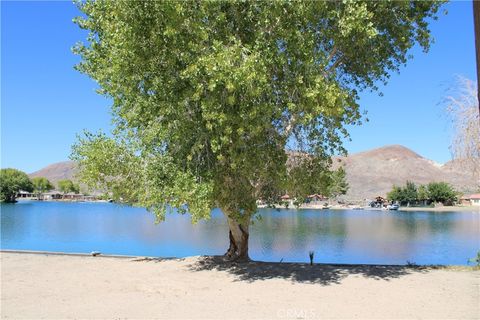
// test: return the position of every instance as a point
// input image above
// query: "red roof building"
(475, 199)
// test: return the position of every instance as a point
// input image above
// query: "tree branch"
(292, 120)
(332, 67)
(332, 53)
(290, 125)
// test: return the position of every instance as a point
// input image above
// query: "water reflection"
(335, 236)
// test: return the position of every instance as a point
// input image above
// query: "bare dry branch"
(462, 107)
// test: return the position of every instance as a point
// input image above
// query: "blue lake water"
(336, 236)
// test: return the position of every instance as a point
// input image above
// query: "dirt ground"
(64, 286)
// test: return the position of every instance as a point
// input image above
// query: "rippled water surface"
(336, 236)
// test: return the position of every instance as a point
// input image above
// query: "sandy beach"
(43, 286)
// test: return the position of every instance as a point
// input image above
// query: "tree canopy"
(209, 97)
(67, 185)
(441, 192)
(41, 185)
(405, 195)
(433, 192)
(338, 184)
(11, 182)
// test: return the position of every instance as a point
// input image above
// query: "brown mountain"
(372, 173)
(57, 171)
(369, 174)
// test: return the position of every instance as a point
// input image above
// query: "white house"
(475, 199)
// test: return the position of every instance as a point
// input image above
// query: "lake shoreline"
(443, 209)
(426, 209)
(153, 258)
(307, 207)
(67, 286)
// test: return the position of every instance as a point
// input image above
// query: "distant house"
(25, 194)
(285, 197)
(378, 202)
(52, 195)
(316, 197)
(475, 199)
(287, 200)
(73, 196)
(465, 200)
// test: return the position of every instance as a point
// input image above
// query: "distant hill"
(369, 174)
(374, 172)
(57, 171)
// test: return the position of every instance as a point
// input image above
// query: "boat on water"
(357, 208)
(393, 207)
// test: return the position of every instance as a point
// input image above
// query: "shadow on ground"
(324, 274)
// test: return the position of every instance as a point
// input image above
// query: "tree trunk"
(238, 235)
(10, 198)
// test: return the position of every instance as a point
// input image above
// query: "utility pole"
(476, 22)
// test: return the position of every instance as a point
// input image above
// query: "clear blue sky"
(45, 102)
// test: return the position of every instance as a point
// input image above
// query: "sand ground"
(40, 286)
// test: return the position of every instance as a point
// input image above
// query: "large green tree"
(410, 194)
(11, 182)
(339, 183)
(422, 194)
(67, 185)
(209, 96)
(442, 192)
(396, 194)
(41, 185)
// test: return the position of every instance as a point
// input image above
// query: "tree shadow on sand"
(324, 274)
